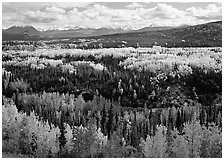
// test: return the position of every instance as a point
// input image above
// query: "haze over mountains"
(209, 34)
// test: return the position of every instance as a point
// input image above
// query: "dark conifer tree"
(110, 121)
(103, 119)
(202, 116)
(179, 122)
(183, 115)
(170, 119)
(134, 133)
(62, 138)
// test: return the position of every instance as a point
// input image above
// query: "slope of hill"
(21, 33)
(145, 29)
(22, 30)
(203, 35)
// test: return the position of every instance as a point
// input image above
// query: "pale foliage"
(155, 146)
(193, 136)
(179, 146)
(16, 126)
(197, 141)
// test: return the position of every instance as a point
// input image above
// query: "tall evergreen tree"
(179, 122)
(202, 116)
(110, 124)
(170, 119)
(62, 138)
(134, 133)
(103, 119)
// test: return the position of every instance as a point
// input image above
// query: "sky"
(134, 15)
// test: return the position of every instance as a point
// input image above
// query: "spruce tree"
(103, 119)
(202, 116)
(62, 138)
(110, 121)
(179, 122)
(170, 119)
(134, 133)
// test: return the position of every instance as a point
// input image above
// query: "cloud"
(54, 9)
(134, 5)
(45, 15)
(39, 17)
(73, 4)
(96, 15)
(209, 13)
(164, 11)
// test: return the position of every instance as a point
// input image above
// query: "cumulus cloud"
(210, 12)
(164, 11)
(96, 15)
(134, 5)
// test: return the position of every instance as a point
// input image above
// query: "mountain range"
(208, 34)
(29, 32)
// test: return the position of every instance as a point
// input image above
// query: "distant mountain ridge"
(70, 32)
(81, 32)
(208, 34)
(19, 31)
